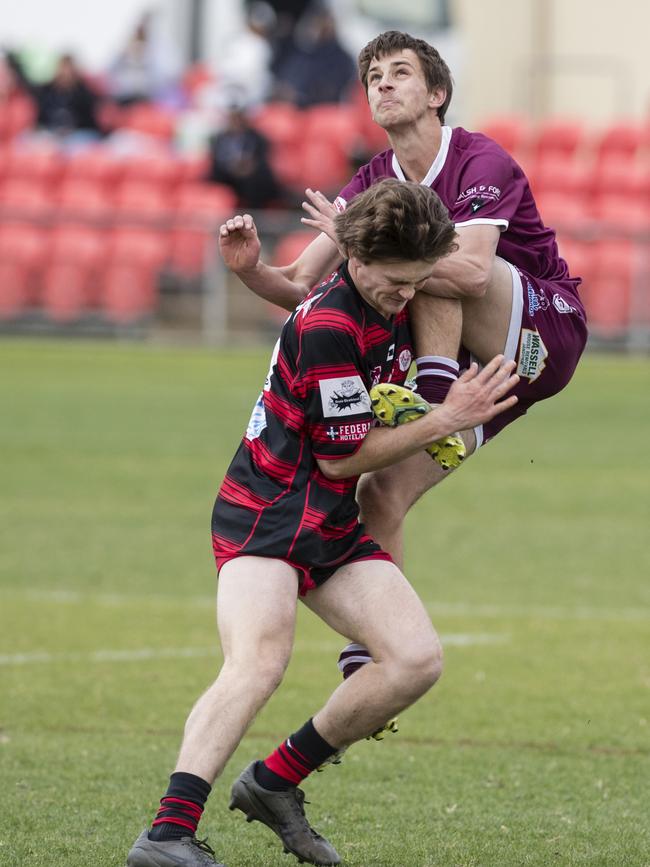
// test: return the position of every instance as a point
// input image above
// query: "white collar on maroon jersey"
(436, 165)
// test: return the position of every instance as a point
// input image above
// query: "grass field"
(533, 560)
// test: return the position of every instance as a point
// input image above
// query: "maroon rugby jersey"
(480, 183)
(275, 501)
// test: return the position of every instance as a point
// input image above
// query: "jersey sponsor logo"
(561, 305)
(479, 195)
(257, 422)
(349, 432)
(375, 375)
(532, 355)
(346, 396)
(340, 204)
(536, 300)
(405, 359)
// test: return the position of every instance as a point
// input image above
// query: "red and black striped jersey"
(274, 500)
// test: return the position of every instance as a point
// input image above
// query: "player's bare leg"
(386, 496)
(486, 320)
(256, 606)
(361, 601)
(256, 609)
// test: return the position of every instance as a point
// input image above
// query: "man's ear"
(437, 97)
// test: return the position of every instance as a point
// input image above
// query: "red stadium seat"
(151, 120)
(128, 286)
(578, 255)
(141, 202)
(337, 123)
(616, 175)
(22, 252)
(323, 167)
(559, 174)
(200, 209)
(193, 168)
(565, 208)
(291, 246)
(607, 294)
(25, 200)
(512, 132)
(16, 116)
(280, 122)
(43, 165)
(97, 165)
(157, 169)
(626, 139)
(556, 137)
(623, 214)
(84, 199)
(69, 286)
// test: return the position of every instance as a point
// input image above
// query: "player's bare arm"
(475, 398)
(466, 272)
(286, 286)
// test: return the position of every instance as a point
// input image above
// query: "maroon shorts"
(311, 576)
(547, 335)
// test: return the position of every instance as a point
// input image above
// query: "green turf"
(533, 750)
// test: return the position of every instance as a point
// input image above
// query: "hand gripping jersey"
(275, 501)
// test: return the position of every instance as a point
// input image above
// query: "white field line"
(155, 653)
(435, 606)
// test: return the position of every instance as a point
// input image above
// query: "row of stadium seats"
(131, 198)
(567, 137)
(47, 164)
(74, 271)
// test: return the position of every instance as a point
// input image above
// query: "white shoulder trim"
(498, 221)
(436, 165)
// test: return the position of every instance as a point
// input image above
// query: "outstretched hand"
(321, 213)
(478, 396)
(239, 244)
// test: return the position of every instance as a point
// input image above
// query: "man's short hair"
(394, 221)
(436, 71)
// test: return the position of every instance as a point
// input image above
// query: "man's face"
(389, 286)
(397, 90)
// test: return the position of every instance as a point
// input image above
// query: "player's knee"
(260, 673)
(381, 501)
(418, 666)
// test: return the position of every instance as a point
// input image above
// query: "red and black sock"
(180, 808)
(295, 759)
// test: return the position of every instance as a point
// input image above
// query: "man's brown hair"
(436, 71)
(396, 221)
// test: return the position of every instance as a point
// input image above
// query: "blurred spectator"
(316, 69)
(66, 105)
(146, 70)
(17, 110)
(239, 159)
(244, 65)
